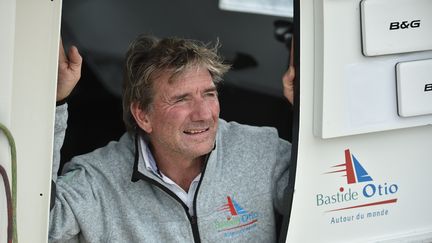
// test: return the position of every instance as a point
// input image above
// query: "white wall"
(7, 28)
(398, 161)
(28, 69)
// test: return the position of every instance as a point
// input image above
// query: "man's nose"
(201, 110)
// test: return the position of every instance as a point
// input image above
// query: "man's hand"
(288, 84)
(289, 76)
(69, 71)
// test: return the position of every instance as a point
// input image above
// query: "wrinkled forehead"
(169, 83)
(174, 75)
(192, 70)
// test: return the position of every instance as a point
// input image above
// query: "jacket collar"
(136, 174)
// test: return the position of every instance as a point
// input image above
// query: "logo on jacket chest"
(234, 220)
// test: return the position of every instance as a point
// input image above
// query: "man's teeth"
(195, 131)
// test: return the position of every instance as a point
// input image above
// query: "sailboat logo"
(354, 171)
(234, 219)
(232, 207)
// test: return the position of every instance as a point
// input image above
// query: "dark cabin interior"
(256, 45)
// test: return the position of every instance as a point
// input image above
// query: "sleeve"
(69, 192)
(77, 212)
(281, 191)
(57, 222)
(59, 135)
(75, 199)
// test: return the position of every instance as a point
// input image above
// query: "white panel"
(354, 94)
(396, 26)
(29, 52)
(387, 199)
(283, 8)
(414, 86)
(7, 28)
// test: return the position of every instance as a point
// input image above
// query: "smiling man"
(180, 174)
(181, 123)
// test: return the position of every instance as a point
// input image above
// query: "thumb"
(75, 59)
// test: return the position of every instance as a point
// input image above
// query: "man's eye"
(211, 94)
(179, 100)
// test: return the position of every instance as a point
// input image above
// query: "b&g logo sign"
(404, 25)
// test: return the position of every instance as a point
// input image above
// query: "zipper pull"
(193, 220)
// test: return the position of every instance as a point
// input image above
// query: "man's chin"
(202, 149)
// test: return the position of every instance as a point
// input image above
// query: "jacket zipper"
(192, 219)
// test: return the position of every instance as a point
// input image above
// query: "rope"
(9, 203)
(14, 186)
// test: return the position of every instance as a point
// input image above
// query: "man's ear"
(141, 117)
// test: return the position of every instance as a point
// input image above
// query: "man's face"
(183, 117)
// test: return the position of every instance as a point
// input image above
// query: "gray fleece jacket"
(101, 196)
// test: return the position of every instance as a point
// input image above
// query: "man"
(180, 174)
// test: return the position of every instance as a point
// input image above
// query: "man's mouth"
(196, 131)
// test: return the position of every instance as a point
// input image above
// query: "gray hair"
(148, 57)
